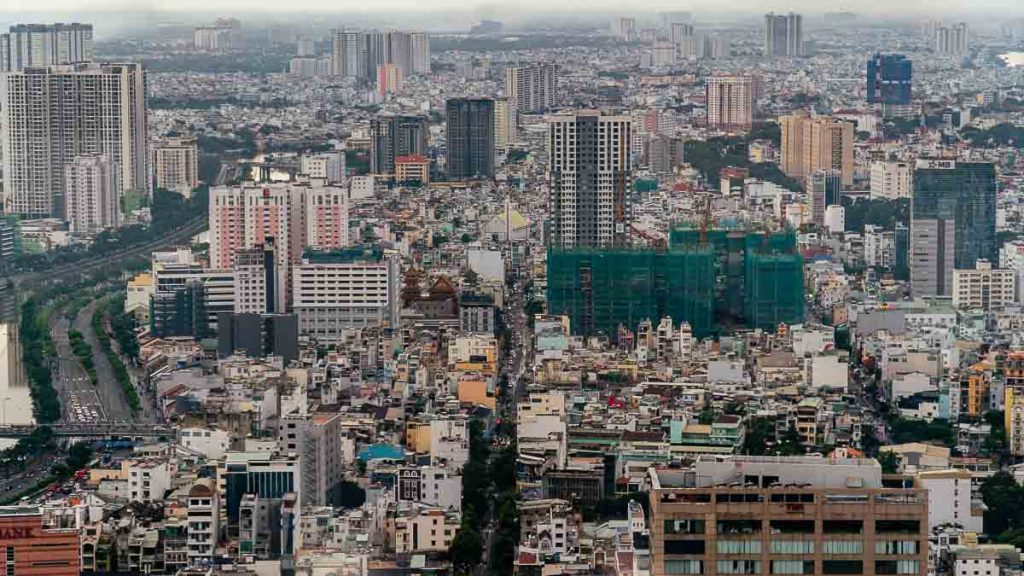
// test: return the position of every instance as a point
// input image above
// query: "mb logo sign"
(935, 164)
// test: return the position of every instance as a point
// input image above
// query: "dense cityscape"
(637, 292)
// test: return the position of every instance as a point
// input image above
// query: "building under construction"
(714, 279)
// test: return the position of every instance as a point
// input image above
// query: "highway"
(80, 401)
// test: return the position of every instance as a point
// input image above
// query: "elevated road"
(92, 429)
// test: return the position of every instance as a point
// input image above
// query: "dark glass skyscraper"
(888, 83)
(470, 138)
(395, 136)
(953, 222)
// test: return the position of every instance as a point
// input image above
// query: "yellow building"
(1014, 420)
(974, 388)
(813, 144)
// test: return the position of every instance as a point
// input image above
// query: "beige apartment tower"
(813, 144)
(730, 102)
(787, 515)
(176, 165)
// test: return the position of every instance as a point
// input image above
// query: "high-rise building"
(258, 335)
(504, 124)
(812, 144)
(785, 515)
(326, 217)
(358, 53)
(393, 136)
(187, 298)
(625, 29)
(339, 292)
(952, 40)
(93, 188)
(176, 165)
(316, 438)
(258, 289)
(984, 287)
(590, 179)
(51, 115)
(783, 34)
(953, 222)
(203, 521)
(255, 486)
(389, 79)
(327, 165)
(470, 138)
(890, 180)
(663, 53)
(901, 252)
(531, 88)
(41, 45)
(824, 191)
(730, 102)
(889, 84)
(665, 153)
(211, 38)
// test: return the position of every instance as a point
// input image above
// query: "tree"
(890, 463)
(467, 547)
(352, 495)
(1005, 501)
(791, 444)
(706, 415)
(759, 437)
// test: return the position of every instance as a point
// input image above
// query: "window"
(739, 526)
(842, 547)
(896, 547)
(842, 567)
(792, 567)
(684, 547)
(684, 526)
(684, 567)
(792, 526)
(898, 526)
(843, 526)
(792, 547)
(738, 566)
(739, 546)
(896, 567)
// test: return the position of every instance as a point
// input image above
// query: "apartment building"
(175, 164)
(984, 287)
(730, 102)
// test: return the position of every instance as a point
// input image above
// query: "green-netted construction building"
(732, 279)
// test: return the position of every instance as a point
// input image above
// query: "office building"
(316, 438)
(346, 290)
(984, 287)
(188, 299)
(730, 102)
(783, 34)
(93, 189)
(889, 79)
(664, 153)
(469, 130)
(590, 179)
(812, 144)
(389, 79)
(41, 45)
(38, 542)
(951, 40)
(51, 115)
(255, 487)
(258, 335)
(327, 165)
(953, 222)
(531, 88)
(412, 169)
(257, 287)
(901, 252)
(824, 191)
(393, 136)
(891, 180)
(176, 165)
(786, 515)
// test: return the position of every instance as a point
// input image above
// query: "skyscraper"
(51, 115)
(825, 187)
(888, 84)
(358, 53)
(953, 222)
(504, 124)
(783, 34)
(730, 102)
(176, 165)
(389, 79)
(811, 144)
(590, 179)
(470, 138)
(393, 136)
(531, 88)
(27, 45)
(625, 28)
(951, 40)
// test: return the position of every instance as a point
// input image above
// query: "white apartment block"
(326, 217)
(26, 45)
(531, 88)
(1011, 257)
(425, 530)
(434, 485)
(449, 441)
(419, 43)
(148, 479)
(252, 282)
(48, 116)
(879, 247)
(210, 442)
(176, 165)
(984, 287)
(327, 165)
(591, 210)
(93, 194)
(949, 499)
(730, 102)
(316, 439)
(891, 180)
(203, 521)
(331, 298)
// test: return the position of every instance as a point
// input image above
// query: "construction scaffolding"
(716, 280)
